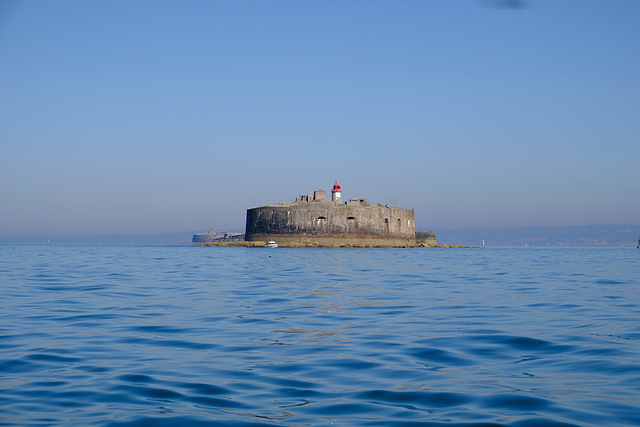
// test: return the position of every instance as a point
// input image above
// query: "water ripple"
(164, 336)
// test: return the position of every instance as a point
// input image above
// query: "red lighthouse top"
(336, 188)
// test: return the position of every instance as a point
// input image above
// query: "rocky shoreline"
(260, 244)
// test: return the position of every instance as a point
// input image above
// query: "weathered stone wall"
(209, 236)
(426, 238)
(325, 222)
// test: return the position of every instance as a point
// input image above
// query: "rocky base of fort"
(260, 244)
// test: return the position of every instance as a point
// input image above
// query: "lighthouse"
(336, 193)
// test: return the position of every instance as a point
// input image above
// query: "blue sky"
(122, 117)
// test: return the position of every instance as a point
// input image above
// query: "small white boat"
(271, 244)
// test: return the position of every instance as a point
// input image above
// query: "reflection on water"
(128, 335)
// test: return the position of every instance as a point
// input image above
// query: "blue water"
(182, 335)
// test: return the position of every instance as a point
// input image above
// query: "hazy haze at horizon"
(148, 117)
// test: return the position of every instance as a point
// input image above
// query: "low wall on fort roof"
(326, 222)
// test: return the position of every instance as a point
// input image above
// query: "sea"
(133, 335)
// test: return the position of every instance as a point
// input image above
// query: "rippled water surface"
(182, 335)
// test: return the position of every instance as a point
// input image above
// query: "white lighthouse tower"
(336, 193)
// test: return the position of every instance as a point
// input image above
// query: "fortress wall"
(209, 236)
(426, 238)
(324, 222)
(202, 238)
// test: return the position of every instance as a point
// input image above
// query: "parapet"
(357, 202)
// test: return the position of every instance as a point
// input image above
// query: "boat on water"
(271, 244)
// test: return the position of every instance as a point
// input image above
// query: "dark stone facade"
(427, 238)
(313, 219)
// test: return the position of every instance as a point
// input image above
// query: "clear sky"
(155, 116)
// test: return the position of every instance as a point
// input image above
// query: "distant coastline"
(576, 235)
(579, 235)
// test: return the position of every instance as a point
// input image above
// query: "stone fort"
(314, 219)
